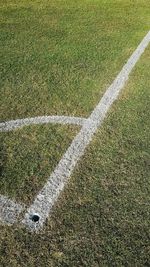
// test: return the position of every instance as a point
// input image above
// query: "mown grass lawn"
(102, 217)
(58, 58)
(29, 155)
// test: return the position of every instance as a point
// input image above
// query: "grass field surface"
(59, 57)
(29, 155)
(102, 218)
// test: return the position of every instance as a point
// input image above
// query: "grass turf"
(59, 56)
(102, 217)
(29, 155)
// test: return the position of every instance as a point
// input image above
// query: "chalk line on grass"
(9, 210)
(47, 197)
(13, 124)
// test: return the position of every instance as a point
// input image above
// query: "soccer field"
(58, 60)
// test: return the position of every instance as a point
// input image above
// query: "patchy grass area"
(102, 217)
(29, 155)
(59, 56)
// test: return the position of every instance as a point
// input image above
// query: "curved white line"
(13, 124)
(9, 210)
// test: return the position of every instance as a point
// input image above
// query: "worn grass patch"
(60, 56)
(29, 155)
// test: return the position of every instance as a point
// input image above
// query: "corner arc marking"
(9, 210)
(14, 124)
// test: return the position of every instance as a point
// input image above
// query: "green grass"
(102, 217)
(60, 56)
(29, 155)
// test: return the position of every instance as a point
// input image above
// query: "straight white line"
(13, 124)
(45, 200)
(9, 210)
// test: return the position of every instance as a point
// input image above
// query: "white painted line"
(9, 210)
(13, 124)
(47, 197)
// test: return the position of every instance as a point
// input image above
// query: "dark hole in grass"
(35, 218)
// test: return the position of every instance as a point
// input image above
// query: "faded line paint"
(47, 197)
(9, 210)
(13, 124)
